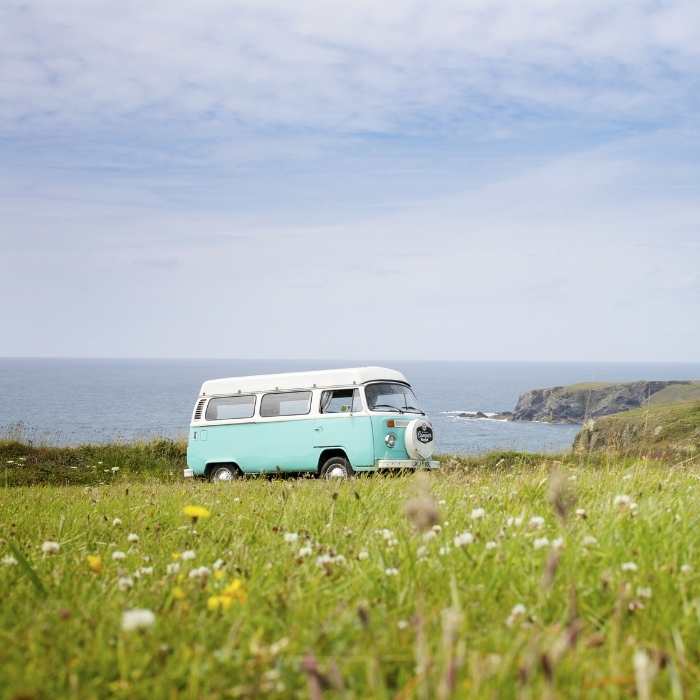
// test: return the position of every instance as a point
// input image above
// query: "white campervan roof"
(299, 380)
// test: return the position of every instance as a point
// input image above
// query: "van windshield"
(391, 396)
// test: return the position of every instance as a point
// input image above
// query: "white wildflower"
(145, 571)
(444, 550)
(558, 543)
(478, 513)
(589, 541)
(624, 502)
(422, 552)
(202, 572)
(391, 571)
(188, 554)
(540, 542)
(629, 566)
(118, 556)
(437, 529)
(536, 522)
(172, 569)
(430, 535)
(516, 613)
(644, 592)
(124, 583)
(581, 513)
(49, 547)
(116, 522)
(291, 537)
(402, 624)
(514, 521)
(218, 564)
(463, 539)
(115, 470)
(305, 551)
(491, 545)
(137, 619)
(363, 554)
(133, 538)
(8, 560)
(686, 569)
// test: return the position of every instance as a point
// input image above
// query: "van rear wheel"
(336, 468)
(223, 472)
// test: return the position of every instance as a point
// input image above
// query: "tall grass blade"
(27, 568)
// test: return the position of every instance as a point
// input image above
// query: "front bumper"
(187, 473)
(407, 464)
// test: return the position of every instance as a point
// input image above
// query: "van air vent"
(198, 409)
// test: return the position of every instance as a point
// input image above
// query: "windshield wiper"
(385, 405)
(413, 409)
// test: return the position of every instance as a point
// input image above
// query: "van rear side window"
(229, 407)
(289, 403)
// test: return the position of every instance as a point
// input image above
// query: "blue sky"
(417, 180)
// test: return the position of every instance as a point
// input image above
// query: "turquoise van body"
(335, 419)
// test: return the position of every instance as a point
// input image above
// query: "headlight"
(390, 440)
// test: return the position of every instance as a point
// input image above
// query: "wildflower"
(686, 569)
(514, 521)
(137, 619)
(589, 541)
(437, 529)
(536, 522)
(444, 550)
(145, 571)
(188, 554)
(624, 502)
(291, 537)
(202, 573)
(116, 522)
(118, 556)
(629, 566)
(491, 545)
(218, 564)
(235, 591)
(219, 574)
(581, 513)
(422, 552)
(402, 624)
(463, 539)
(540, 542)
(430, 535)
(8, 560)
(644, 592)
(516, 613)
(219, 602)
(478, 513)
(558, 543)
(133, 538)
(391, 571)
(124, 583)
(363, 554)
(94, 562)
(115, 470)
(178, 593)
(172, 569)
(305, 551)
(49, 547)
(196, 513)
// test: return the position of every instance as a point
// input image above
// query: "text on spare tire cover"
(424, 434)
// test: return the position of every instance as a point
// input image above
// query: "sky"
(438, 180)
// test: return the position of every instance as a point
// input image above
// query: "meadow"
(502, 577)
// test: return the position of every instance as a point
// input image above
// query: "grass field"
(479, 581)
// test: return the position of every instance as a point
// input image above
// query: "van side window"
(289, 403)
(229, 407)
(341, 401)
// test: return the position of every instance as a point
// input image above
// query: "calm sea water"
(76, 401)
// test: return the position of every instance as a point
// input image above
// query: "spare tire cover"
(419, 439)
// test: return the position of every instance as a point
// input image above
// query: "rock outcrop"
(578, 402)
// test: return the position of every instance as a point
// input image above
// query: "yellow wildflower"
(219, 574)
(196, 512)
(219, 602)
(175, 556)
(178, 593)
(235, 591)
(94, 562)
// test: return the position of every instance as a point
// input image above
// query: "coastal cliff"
(578, 402)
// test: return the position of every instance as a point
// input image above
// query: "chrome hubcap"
(336, 473)
(223, 475)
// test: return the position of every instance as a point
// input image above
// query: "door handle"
(318, 429)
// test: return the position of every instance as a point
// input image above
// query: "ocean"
(72, 401)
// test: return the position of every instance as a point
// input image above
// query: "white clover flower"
(116, 522)
(513, 521)
(49, 547)
(491, 545)
(124, 583)
(172, 569)
(624, 502)
(145, 571)
(536, 522)
(115, 470)
(581, 513)
(8, 560)
(686, 569)
(442, 502)
(516, 613)
(589, 541)
(363, 554)
(463, 539)
(188, 554)
(305, 551)
(540, 542)
(218, 564)
(133, 538)
(444, 550)
(430, 535)
(137, 619)
(422, 552)
(437, 529)
(402, 624)
(202, 572)
(629, 566)
(478, 513)
(558, 543)
(391, 571)
(291, 537)
(118, 556)
(644, 592)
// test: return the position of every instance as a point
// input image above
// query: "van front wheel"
(222, 472)
(336, 468)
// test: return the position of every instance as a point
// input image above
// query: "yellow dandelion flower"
(219, 602)
(219, 574)
(94, 562)
(196, 512)
(175, 556)
(235, 591)
(178, 593)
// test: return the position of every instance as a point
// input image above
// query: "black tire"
(336, 468)
(223, 472)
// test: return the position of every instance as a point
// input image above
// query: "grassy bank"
(575, 579)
